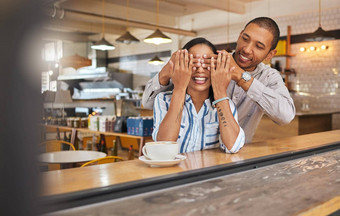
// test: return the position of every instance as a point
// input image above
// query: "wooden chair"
(107, 159)
(55, 145)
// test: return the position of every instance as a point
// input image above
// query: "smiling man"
(256, 88)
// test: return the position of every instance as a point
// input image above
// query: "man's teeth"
(199, 78)
(243, 57)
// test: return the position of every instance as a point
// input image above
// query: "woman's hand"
(237, 72)
(182, 71)
(221, 74)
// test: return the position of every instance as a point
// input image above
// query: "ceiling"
(77, 19)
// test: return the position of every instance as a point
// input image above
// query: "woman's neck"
(198, 98)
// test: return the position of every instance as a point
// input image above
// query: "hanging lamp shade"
(103, 45)
(127, 38)
(320, 35)
(157, 38)
(156, 61)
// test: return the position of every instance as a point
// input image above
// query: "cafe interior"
(75, 130)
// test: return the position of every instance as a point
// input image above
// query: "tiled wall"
(318, 78)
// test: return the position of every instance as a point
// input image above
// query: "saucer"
(163, 163)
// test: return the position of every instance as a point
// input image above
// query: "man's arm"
(152, 88)
(273, 98)
(159, 83)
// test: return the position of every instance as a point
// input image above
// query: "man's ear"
(270, 55)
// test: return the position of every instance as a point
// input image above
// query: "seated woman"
(187, 114)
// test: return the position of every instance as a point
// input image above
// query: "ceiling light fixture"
(320, 34)
(156, 61)
(157, 37)
(127, 38)
(103, 44)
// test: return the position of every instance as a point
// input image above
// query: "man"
(255, 87)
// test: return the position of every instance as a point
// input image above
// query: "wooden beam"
(119, 11)
(225, 5)
(97, 19)
(65, 36)
(77, 26)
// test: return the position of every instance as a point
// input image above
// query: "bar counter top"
(102, 176)
(316, 112)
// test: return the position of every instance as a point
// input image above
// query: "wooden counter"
(307, 186)
(99, 176)
(304, 123)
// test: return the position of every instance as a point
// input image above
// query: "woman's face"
(200, 78)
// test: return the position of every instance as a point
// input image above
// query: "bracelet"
(219, 100)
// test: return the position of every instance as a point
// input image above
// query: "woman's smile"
(200, 80)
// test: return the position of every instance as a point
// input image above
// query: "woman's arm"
(220, 79)
(170, 125)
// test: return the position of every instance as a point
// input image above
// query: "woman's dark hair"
(201, 40)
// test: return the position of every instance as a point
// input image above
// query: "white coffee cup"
(161, 150)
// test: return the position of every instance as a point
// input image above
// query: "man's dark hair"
(270, 25)
(200, 40)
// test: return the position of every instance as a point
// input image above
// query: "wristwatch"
(244, 78)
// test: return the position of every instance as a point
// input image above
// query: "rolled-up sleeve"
(152, 88)
(274, 99)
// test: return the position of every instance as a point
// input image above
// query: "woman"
(187, 114)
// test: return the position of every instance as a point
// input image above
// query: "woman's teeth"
(199, 78)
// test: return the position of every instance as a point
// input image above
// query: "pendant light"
(320, 34)
(156, 61)
(103, 44)
(127, 38)
(157, 37)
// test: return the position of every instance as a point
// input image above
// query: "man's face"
(253, 46)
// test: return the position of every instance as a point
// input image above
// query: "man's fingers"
(208, 56)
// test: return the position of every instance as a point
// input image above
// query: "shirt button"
(156, 88)
(251, 96)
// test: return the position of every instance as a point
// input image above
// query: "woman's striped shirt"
(198, 131)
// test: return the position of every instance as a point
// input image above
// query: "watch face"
(246, 76)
